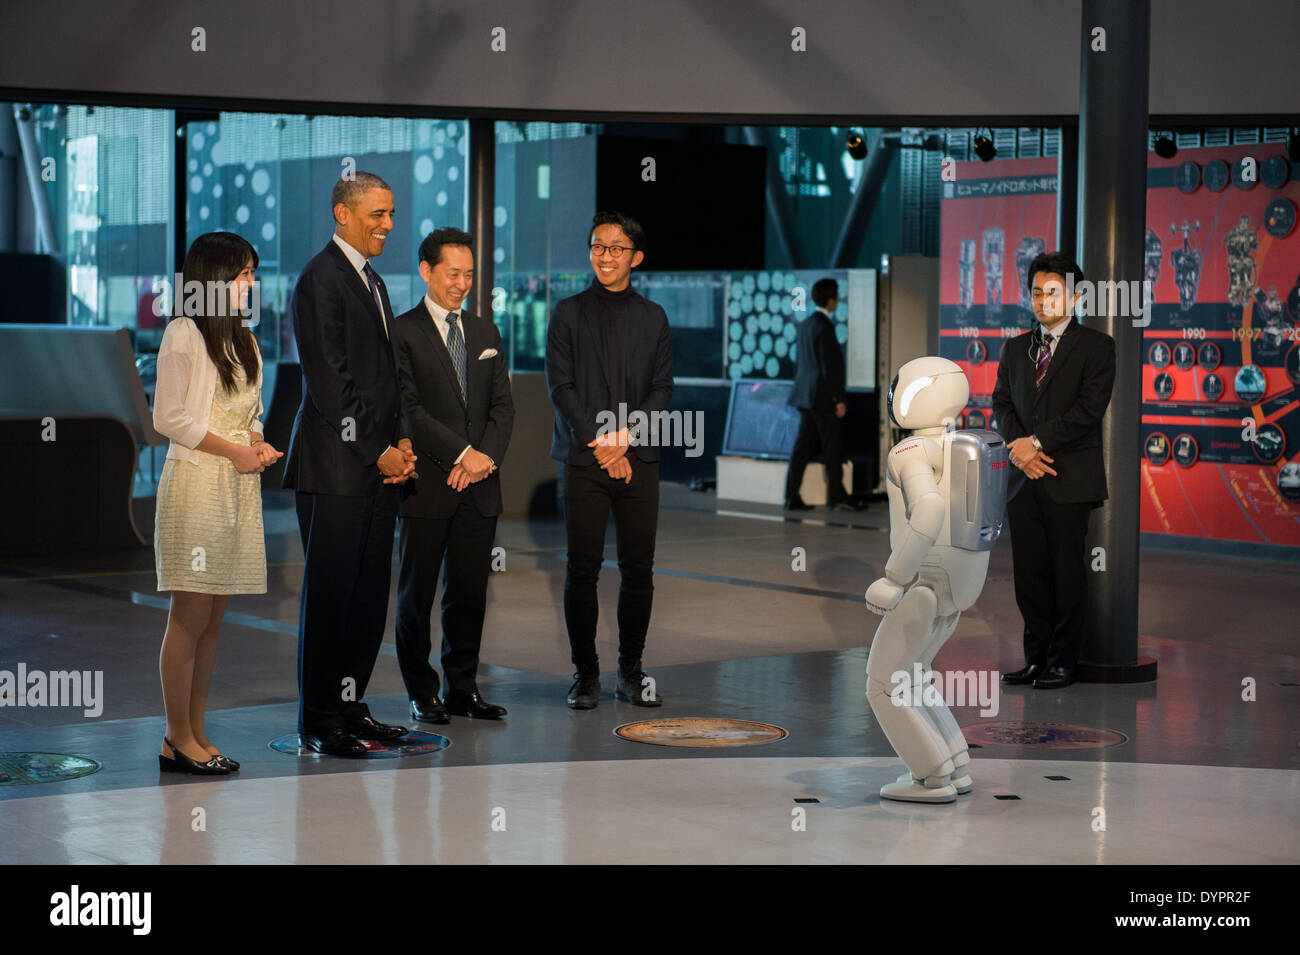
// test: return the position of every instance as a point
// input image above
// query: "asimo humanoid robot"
(947, 491)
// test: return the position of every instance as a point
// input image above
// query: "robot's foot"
(961, 783)
(908, 789)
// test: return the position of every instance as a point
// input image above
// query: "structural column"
(1113, 108)
(482, 209)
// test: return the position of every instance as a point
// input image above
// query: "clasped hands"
(611, 454)
(397, 465)
(1029, 459)
(474, 466)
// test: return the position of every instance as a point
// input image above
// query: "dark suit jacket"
(819, 366)
(577, 376)
(441, 422)
(351, 407)
(1065, 413)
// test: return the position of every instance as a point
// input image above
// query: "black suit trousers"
(461, 547)
(824, 432)
(1049, 555)
(590, 494)
(348, 547)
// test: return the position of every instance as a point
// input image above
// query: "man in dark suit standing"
(609, 354)
(1054, 384)
(350, 448)
(819, 394)
(456, 390)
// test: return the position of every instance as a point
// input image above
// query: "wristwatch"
(1038, 445)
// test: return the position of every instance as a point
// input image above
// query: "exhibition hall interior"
(890, 573)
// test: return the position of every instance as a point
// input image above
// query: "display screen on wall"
(1221, 355)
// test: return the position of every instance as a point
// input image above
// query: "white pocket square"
(488, 353)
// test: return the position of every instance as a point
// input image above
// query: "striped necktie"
(1044, 358)
(456, 348)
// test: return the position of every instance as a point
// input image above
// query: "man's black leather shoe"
(847, 505)
(636, 688)
(1053, 678)
(429, 711)
(370, 728)
(797, 506)
(585, 692)
(473, 706)
(1023, 675)
(336, 742)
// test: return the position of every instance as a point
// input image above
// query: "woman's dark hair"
(220, 257)
(631, 228)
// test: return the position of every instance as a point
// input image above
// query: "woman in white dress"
(208, 539)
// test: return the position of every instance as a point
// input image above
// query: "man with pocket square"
(456, 394)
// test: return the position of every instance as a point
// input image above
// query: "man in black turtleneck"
(608, 355)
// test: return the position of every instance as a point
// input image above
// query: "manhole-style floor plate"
(700, 731)
(412, 744)
(23, 769)
(1045, 735)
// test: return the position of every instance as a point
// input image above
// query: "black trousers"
(824, 432)
(348, 547)
(461, 546)
(1049, 556)
(589, 496)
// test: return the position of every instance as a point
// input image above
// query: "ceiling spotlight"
(1293, 146)
(856, 146)
(1166, 148)
(984, 147)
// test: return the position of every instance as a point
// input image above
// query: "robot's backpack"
(976, 473)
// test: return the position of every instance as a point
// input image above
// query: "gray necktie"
(456, 348)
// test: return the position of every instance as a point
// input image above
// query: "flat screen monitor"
(759, 422)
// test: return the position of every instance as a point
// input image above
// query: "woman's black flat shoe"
(227, 762)
(180, 763)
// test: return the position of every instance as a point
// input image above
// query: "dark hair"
(431, 247)
(1056, 263)
(631, 228)
(220, 257)
(351, 188)
(823, 291)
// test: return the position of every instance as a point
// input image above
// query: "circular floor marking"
(24, 769)
(412, 744)
(1043, 735)
(700, 731)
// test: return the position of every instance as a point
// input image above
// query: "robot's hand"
(883, 596)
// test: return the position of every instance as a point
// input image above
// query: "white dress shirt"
(359, 263)
(187, 381)
(439, 316)
(1056, 333)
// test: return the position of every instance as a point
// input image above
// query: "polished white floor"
(687, 810)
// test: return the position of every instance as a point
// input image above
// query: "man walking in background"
(819, 394)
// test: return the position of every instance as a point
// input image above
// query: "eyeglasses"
(615, 250)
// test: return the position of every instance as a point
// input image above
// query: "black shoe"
(429, 711)
(227, 762)
(797, 505)
(847, 505)
(635, 687)
(180, 763)
(337, 742)
(585, 692)
(1053, 678)
(370, 728)
(1024, 675)
(473, 706)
